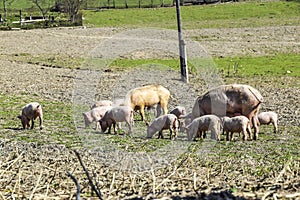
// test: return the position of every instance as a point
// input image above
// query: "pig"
(102, 103)
(267, 118)
(95, 115)
(203, 124)
(29, 113)
(185, 121)
(236, 124)
(167, 121)
(148, 96)
(179, 111)
(230, 100)
(117, 114)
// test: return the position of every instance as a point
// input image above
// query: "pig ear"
(38, 108)
(20, 117)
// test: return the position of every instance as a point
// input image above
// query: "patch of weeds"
(46, 60)
(159, 64)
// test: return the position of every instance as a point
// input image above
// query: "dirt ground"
(59, 85)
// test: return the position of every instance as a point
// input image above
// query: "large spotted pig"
(230, 100)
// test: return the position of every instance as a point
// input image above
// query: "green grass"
(58, 121)
(246, 14)
(272, 65)
(277, 65)
(26, 4)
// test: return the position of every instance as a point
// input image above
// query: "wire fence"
(89, 4)
(100, 4)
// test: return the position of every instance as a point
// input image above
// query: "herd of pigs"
(233, 108)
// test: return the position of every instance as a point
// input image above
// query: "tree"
(72, 7)
(43, 6)
(5, 2)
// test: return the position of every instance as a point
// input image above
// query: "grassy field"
(231, 15)
(279, 65)
(245, 14)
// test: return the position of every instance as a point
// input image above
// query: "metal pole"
(182, 47)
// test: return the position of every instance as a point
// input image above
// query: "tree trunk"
(5, 10)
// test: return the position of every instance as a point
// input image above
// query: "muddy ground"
(33, 170)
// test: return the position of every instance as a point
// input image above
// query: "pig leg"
(275, 126)
(32, 124)
(114, 126)
(39, 113)
(142, 112)
(109, 128)
(244, 134)
(175, 134)
(27, 125)
(231, 136)
(202, 135)
(171, 133)
(249, 131)
(129, 123)
(24, 125)
(214, 135)
(97, 125)
(227, 135)
(119, 125)
(41, 122)
(160, 135)
(255, 126)
(164, 106)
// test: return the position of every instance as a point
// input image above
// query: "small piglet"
(95, 115)
(29, 113)
(167, 121)
(102, 103)
(179, 111)
(117, 114)
(267, 118)
(236, 124)
(203, 124)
